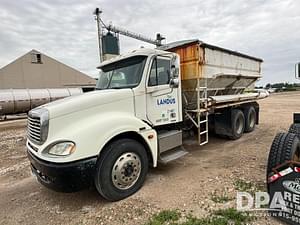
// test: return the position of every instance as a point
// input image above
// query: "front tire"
(121, 170)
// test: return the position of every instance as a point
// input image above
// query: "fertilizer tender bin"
(222, 71)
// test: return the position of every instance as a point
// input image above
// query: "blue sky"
(66, 30)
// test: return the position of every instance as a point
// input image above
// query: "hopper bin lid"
(180, 44)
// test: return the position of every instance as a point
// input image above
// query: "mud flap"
(284, 191)
(222, 122)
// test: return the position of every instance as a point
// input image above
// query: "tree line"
(283, 85)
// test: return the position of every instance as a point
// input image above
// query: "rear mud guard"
(284, 186)
(223, 122)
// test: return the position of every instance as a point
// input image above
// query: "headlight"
(62, 149)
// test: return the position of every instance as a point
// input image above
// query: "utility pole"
(97, 14)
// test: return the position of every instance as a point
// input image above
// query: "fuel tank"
(13, 101)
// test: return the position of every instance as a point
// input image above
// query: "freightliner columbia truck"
(145, 101)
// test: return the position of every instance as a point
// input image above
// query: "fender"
(127, 123)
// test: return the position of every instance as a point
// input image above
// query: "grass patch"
(260, 186)
(248, 186)
(237, 217)
(245, 186)
(164, 217)
(219, 217)
(223, 198)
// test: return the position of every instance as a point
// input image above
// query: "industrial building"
(35, 79)
(37, 70)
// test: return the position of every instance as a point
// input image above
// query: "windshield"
(126, 73)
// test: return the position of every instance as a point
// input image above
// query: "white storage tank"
(14, 101)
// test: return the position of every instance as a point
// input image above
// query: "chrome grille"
(34, 129)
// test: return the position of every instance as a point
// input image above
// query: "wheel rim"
(126, 170)
(251, 120)
(239, 125)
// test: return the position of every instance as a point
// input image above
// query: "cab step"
(172, 154)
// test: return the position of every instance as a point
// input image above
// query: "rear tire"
(121, 170)
(250, 119)
(237, 124)
(285, 147)
(295, 129)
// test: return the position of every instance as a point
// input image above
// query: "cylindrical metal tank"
(6, 102)
(14, 101)
(58, 93)
(38, 97)
(21, 100)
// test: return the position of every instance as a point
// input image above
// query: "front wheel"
(121, 170)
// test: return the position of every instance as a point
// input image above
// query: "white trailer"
(144, 102)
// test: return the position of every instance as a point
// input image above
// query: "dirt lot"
(187, 184)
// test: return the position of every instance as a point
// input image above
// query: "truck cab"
(154, 81)
(109, 137)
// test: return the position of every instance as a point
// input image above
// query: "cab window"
(160, 72)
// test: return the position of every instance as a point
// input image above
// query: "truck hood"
(85, 101)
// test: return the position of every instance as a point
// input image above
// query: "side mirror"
(174, 83)
(174, 71)
(297, 70)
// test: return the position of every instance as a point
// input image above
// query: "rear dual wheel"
(250, 119)
(237, 124)
(242, 121)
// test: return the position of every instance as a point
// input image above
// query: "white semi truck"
(144, 102)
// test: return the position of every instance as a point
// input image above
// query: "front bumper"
(63, 177)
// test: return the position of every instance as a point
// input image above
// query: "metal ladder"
(202, 112)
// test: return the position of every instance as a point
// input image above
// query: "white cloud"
(66, 30)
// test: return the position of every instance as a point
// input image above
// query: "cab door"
(163, 104)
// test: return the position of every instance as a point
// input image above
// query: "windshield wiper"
(110, 79)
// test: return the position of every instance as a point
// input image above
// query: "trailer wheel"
(237, 124)
(295, 129)
(285, 147)
(122, 170)
(250, 119)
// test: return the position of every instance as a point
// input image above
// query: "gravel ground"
(188, 184)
